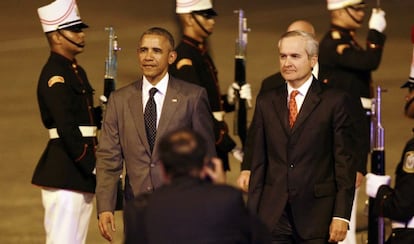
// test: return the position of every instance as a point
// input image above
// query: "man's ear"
(172, 56)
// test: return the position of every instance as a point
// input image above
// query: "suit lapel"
(312, 99)
(136, 107)
(280, 105)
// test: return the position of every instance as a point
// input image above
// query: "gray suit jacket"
(123, 139)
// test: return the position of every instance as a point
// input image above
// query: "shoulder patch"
(55, 79)
(408, 165)
(340, 48)
(184, 62)
(336, 35)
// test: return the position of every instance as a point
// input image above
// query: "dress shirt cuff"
(341, 219)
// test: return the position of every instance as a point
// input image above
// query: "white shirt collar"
(303, 89)
(161, 85)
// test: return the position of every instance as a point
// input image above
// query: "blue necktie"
(150, 118)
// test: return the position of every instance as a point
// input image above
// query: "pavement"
(24, 50)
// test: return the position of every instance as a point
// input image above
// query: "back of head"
(302, 25)
(182, 151)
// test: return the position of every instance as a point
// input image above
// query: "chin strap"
(199, 24)
(352, 17)
(71, 41)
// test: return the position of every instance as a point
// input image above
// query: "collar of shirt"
(303, 90)
(158, 97)
(315, 70)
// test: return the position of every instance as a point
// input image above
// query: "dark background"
(24, 50)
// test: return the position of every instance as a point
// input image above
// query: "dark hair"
(182, 151)
(161, 32)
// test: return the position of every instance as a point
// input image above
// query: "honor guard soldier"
(65, 171)
(397, 203)
(194, 64)
(346, 65)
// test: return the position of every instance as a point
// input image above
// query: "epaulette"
(55, 79)
(184, 62)
(336, 35)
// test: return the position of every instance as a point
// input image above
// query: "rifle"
(240, 120)
(111, 65)
(376, 228)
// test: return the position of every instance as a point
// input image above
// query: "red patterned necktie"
(293, 108)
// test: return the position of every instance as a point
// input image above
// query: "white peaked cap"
(188, 6)
(60, 14)
(338, 4)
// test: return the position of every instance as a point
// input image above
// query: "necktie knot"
(152, 92)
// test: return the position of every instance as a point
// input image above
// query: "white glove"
(237, 154)
(377, 20)
(374, 182)
(245, 92)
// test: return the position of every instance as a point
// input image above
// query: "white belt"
(87, 131)
(366, 102)
(409, 224)
(219, 115)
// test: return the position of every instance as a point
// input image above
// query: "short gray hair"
(312, 46)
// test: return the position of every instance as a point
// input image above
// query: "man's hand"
(243, 180)
(214, 170)
(337, 230)
(106, 221)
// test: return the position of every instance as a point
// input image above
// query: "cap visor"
(409, 83)
(209, 12)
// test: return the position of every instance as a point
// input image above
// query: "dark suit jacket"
(311, 166)
(123, 139)
(190, 210)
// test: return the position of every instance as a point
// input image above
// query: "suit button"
(149, 188)
(152, 165)
(292, 165)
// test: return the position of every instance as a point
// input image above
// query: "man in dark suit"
(189, 208)
(128, 134)
(269, 83)
(303, 170)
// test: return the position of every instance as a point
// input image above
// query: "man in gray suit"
(127, 137)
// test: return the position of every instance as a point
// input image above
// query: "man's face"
(207, 22)
(155, 54)
(295, 64)
(75, 36)
(353, 16)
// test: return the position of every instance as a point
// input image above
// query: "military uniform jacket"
(398, 203)
(65, 102)
(202, 71)
(345, 64)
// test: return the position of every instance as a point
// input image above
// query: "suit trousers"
(67, 215)
(285, 233)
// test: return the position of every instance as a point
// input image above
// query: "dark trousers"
(401, 236)
(285, 232)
